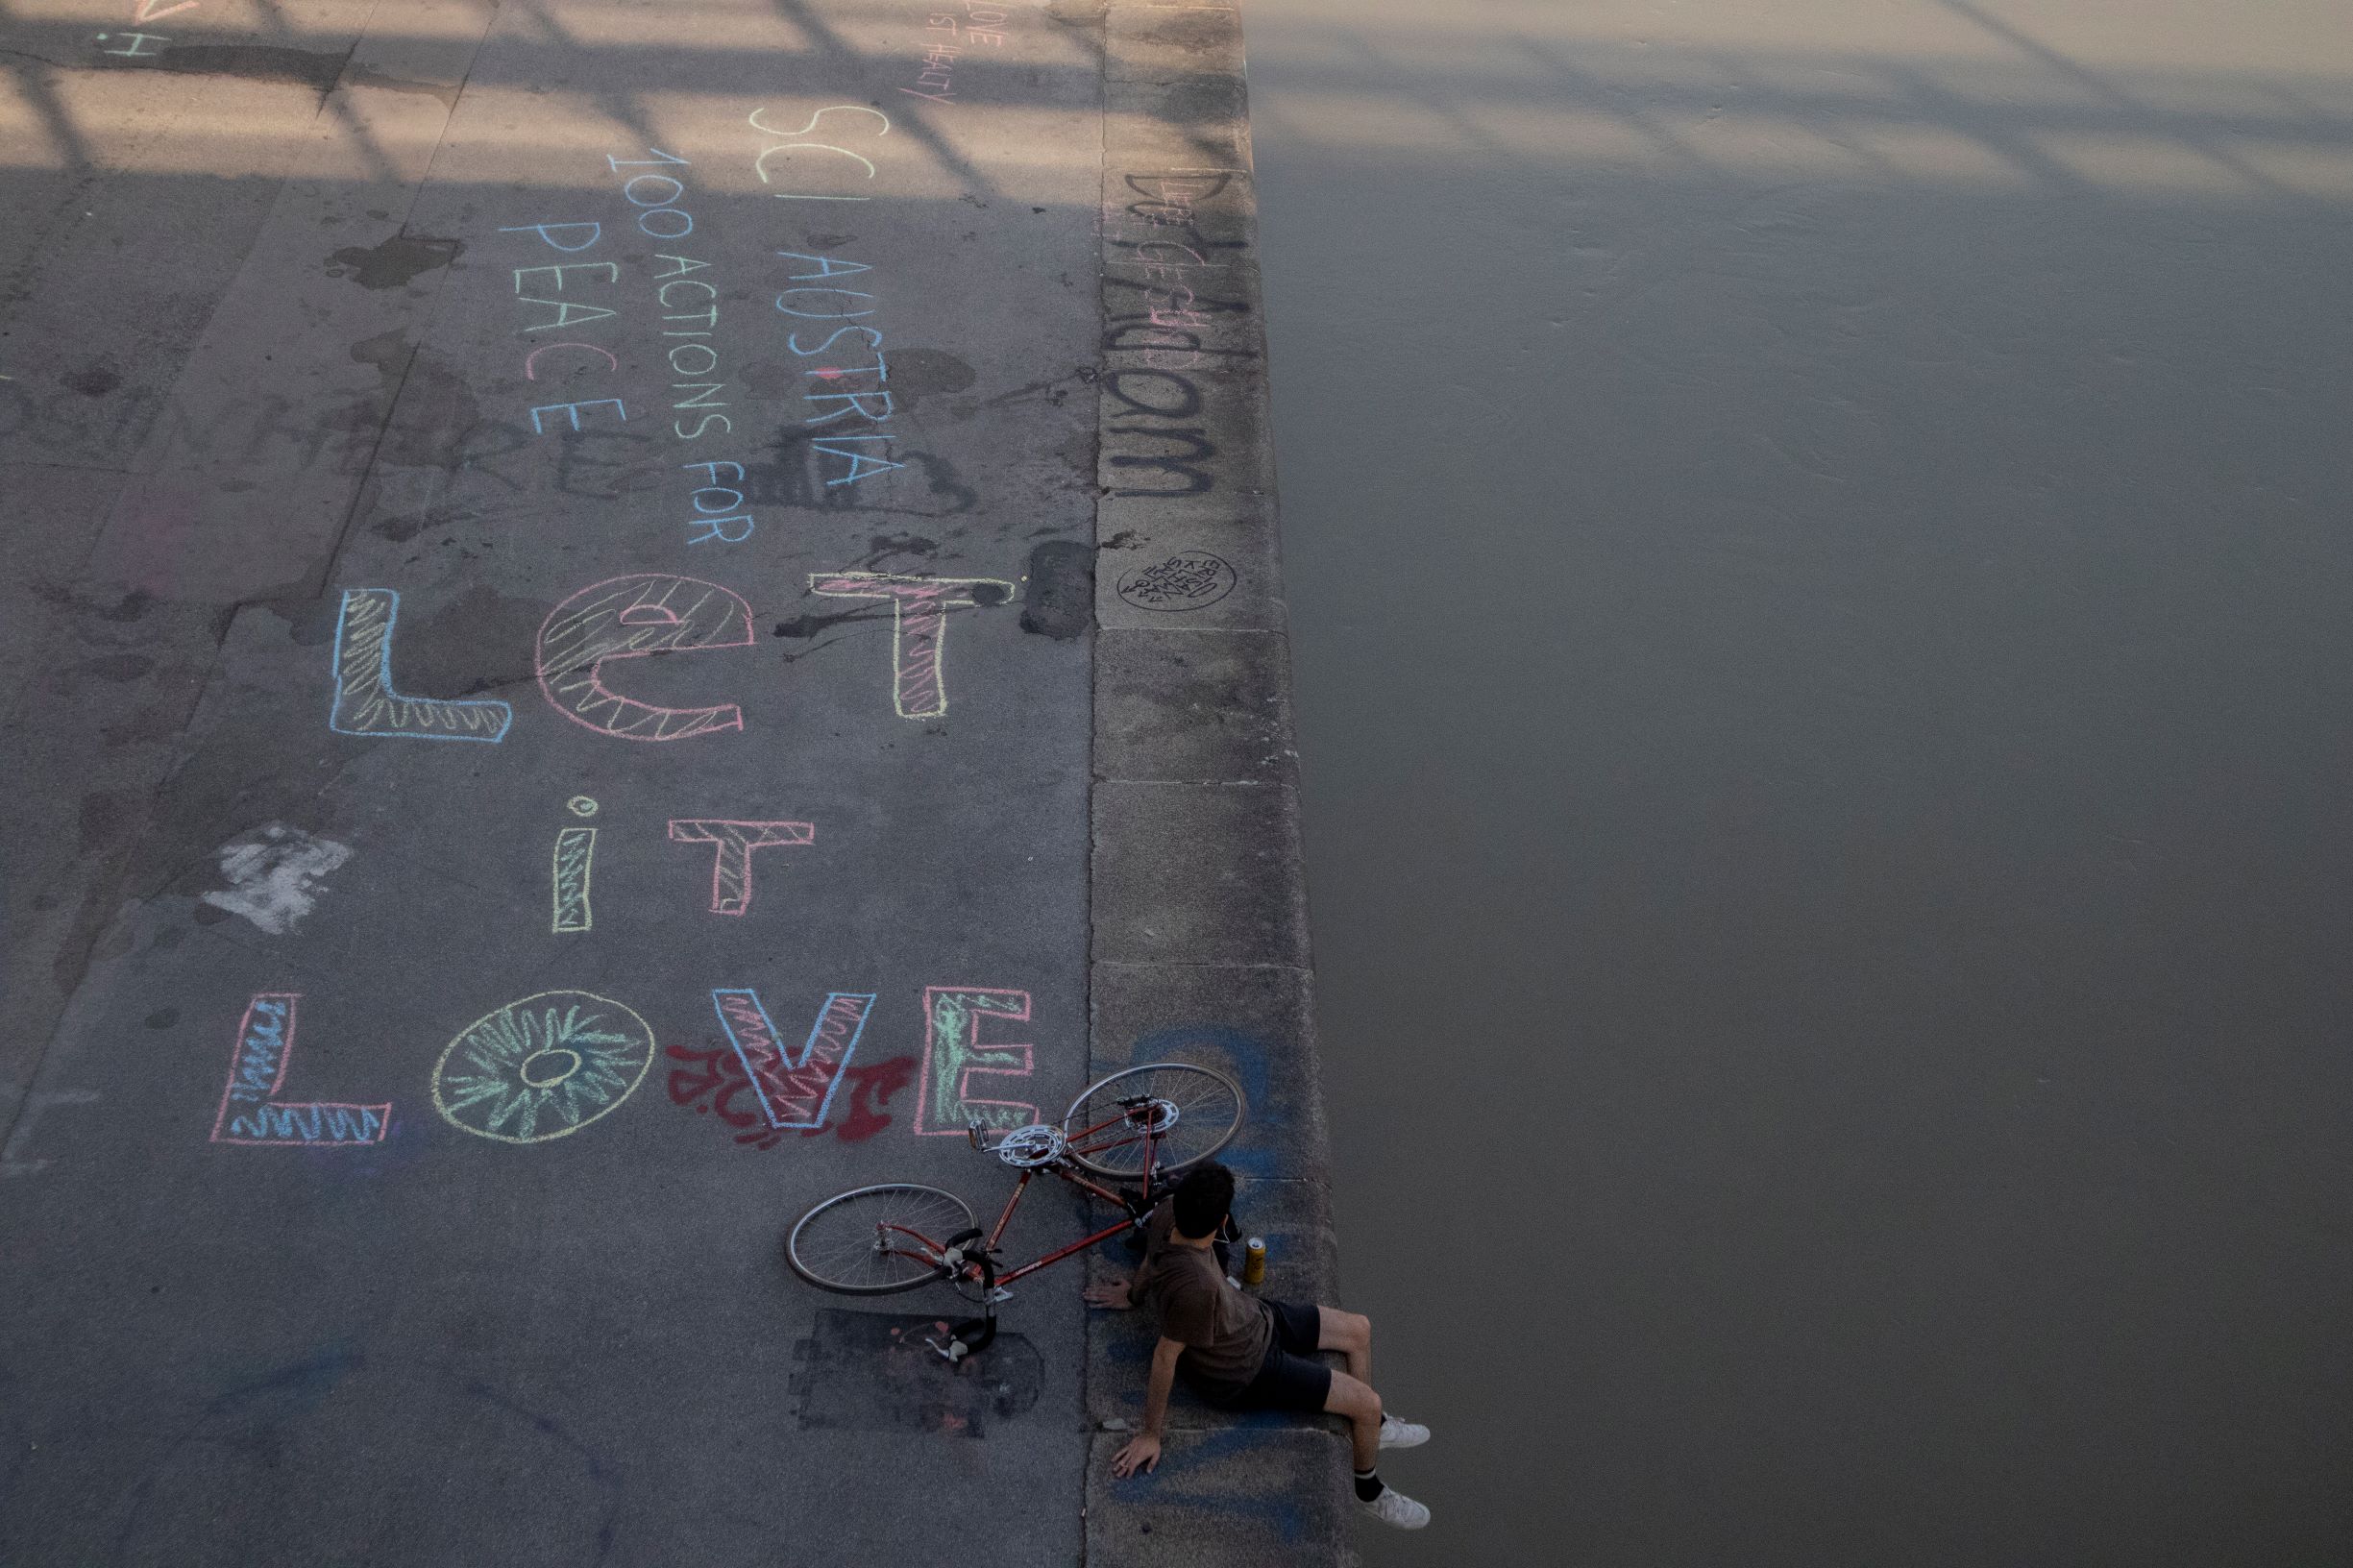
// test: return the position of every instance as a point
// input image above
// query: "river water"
(1818, 544)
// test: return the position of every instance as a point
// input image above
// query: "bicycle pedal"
(998, 1296)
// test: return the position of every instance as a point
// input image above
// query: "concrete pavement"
(564, 705)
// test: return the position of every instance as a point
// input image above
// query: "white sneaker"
(1394, 1508)
(1396, 1434)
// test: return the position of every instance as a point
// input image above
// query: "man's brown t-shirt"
(1225, 1334)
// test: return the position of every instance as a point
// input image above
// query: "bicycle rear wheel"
(875, 1240)
(1196, 1112)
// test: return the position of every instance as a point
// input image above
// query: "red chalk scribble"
(713, 1082)
(870, 1086)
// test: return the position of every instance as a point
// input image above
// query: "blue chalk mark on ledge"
(365, 702)
(1262, 1148)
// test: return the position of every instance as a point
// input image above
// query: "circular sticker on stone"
(541, 1067)
(1187, 580)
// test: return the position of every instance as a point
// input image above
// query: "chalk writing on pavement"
(250, 1111)
(541, 1067)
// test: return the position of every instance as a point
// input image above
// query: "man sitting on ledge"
(1242, 1353)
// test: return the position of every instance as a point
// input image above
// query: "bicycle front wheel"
(875, 1240)
(1189, 1113)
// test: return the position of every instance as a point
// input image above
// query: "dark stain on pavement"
(93, 381)
(916, 374)
(368, 76)
(477, 642)
(119, 666)
(1059, 599)
(317, 69)
(129, 607)
(873, 1372)
(310, 622)
(809, 625)
(103, 815)
(237, 1447)
(882, 546)
(424, 409)
(395, 262)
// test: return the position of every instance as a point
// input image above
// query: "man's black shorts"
(1290, 1378)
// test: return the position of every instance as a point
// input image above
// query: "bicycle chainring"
(1027, 1149)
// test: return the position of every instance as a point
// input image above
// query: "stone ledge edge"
(1193, 689)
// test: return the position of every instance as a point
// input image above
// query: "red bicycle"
(1142, 1125)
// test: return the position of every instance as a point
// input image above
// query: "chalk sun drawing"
(541, 1067)
(250, 1111)
(273, 874)
(365, 703)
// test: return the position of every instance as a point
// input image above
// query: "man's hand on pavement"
(1141, 1454)
(1112, 1295)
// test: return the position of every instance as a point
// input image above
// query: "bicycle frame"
(954, 1266)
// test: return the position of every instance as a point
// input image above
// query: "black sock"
(1368, 1485)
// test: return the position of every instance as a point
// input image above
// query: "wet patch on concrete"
(1058, 601)
(367, 76)
(424, 407)
(317, 69)
(876, 1372)
(119, 666)
(479, 641)
(395, 262)
(105, 815)
(916, 374)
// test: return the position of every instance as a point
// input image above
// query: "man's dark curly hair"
(1203, 1199)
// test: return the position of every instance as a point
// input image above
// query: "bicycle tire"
(1198, 1093)
(826, 1244)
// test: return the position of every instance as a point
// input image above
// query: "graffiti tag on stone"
(1187, 580)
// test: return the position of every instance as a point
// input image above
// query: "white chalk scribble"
(273, 874)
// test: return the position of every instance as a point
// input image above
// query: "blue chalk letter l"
(365, 703)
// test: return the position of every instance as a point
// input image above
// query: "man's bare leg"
(1350, 1333)
(1354, 1399)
